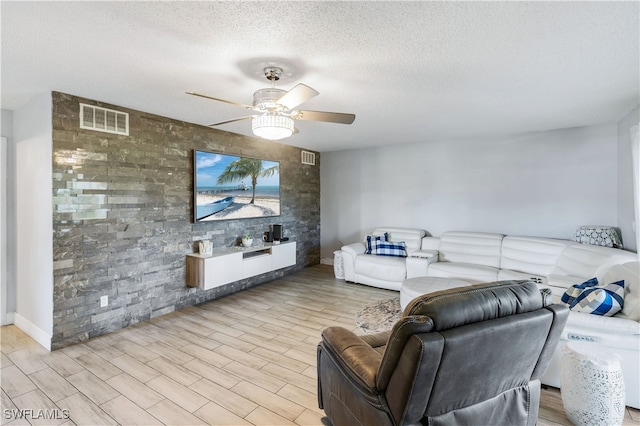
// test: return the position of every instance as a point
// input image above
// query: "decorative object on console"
(205, 248)
(606, 236)
(221, 192)
(247, 240)
(276, 232)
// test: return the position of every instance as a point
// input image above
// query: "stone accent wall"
(122, 218)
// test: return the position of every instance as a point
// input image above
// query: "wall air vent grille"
(104, 120)
(308, 158)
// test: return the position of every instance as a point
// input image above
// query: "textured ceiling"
(410, 71)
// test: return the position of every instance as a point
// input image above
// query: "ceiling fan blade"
(220, 100)
(230, 121)
(299, 94)
(332, 117)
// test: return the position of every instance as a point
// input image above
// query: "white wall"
(3, 230)
(540, 184)
(625, 180)
(7, 221)
(34, 229)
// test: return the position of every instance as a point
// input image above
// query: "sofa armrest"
(349, 254)
(426, 254)
(417, 266)
(360, 361)
(354, 249)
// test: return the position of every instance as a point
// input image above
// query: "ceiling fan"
(274, 109)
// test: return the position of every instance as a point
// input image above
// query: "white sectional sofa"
(381, 271)
(551, 263)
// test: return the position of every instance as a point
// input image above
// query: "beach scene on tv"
(232, 187)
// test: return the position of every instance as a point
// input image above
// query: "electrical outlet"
(104, 301)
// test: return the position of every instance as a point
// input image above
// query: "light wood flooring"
(249, 358)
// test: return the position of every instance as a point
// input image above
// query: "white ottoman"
(414, 287)
(592, 385)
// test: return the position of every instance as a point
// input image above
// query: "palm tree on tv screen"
(246, 168)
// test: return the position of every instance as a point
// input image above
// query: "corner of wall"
(33, 136)
(626, 210)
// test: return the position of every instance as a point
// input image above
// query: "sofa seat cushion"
(582, 322)
(381, 267)
(466, 271)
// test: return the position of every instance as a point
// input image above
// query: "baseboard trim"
(32, 330)
(326, 261)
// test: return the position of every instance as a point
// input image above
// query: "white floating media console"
(235, 263)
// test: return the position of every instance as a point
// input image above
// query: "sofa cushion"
(534, 255)
(630, 273)
(467, 271)
(371, 240)
(381, 267)
(412, 237)
(606, 301)
(570, 295)
(584, 260)
(476, 248)
(387, 248)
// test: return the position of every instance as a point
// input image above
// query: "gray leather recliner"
(470, 355)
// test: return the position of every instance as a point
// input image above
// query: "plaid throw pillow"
(371, 240)
(574, 291)
(387, 248)
(606, 301)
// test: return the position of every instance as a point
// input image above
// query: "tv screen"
(232, 187)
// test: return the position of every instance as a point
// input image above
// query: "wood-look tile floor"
(246, 359)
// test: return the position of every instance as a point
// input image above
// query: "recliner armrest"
(357, 357)
(354, 249)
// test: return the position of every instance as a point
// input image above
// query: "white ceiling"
(410, 71)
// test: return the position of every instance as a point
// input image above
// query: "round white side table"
(592, 385)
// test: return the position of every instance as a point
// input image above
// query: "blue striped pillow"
(387, 248)
(370, 242)
(575, 290)
(606, 301)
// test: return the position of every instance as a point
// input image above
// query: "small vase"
(247, 242)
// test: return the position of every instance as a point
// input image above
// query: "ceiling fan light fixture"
(272, 126)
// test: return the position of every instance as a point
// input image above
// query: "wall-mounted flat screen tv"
(232, 187)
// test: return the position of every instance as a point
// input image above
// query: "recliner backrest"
(484, 340)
